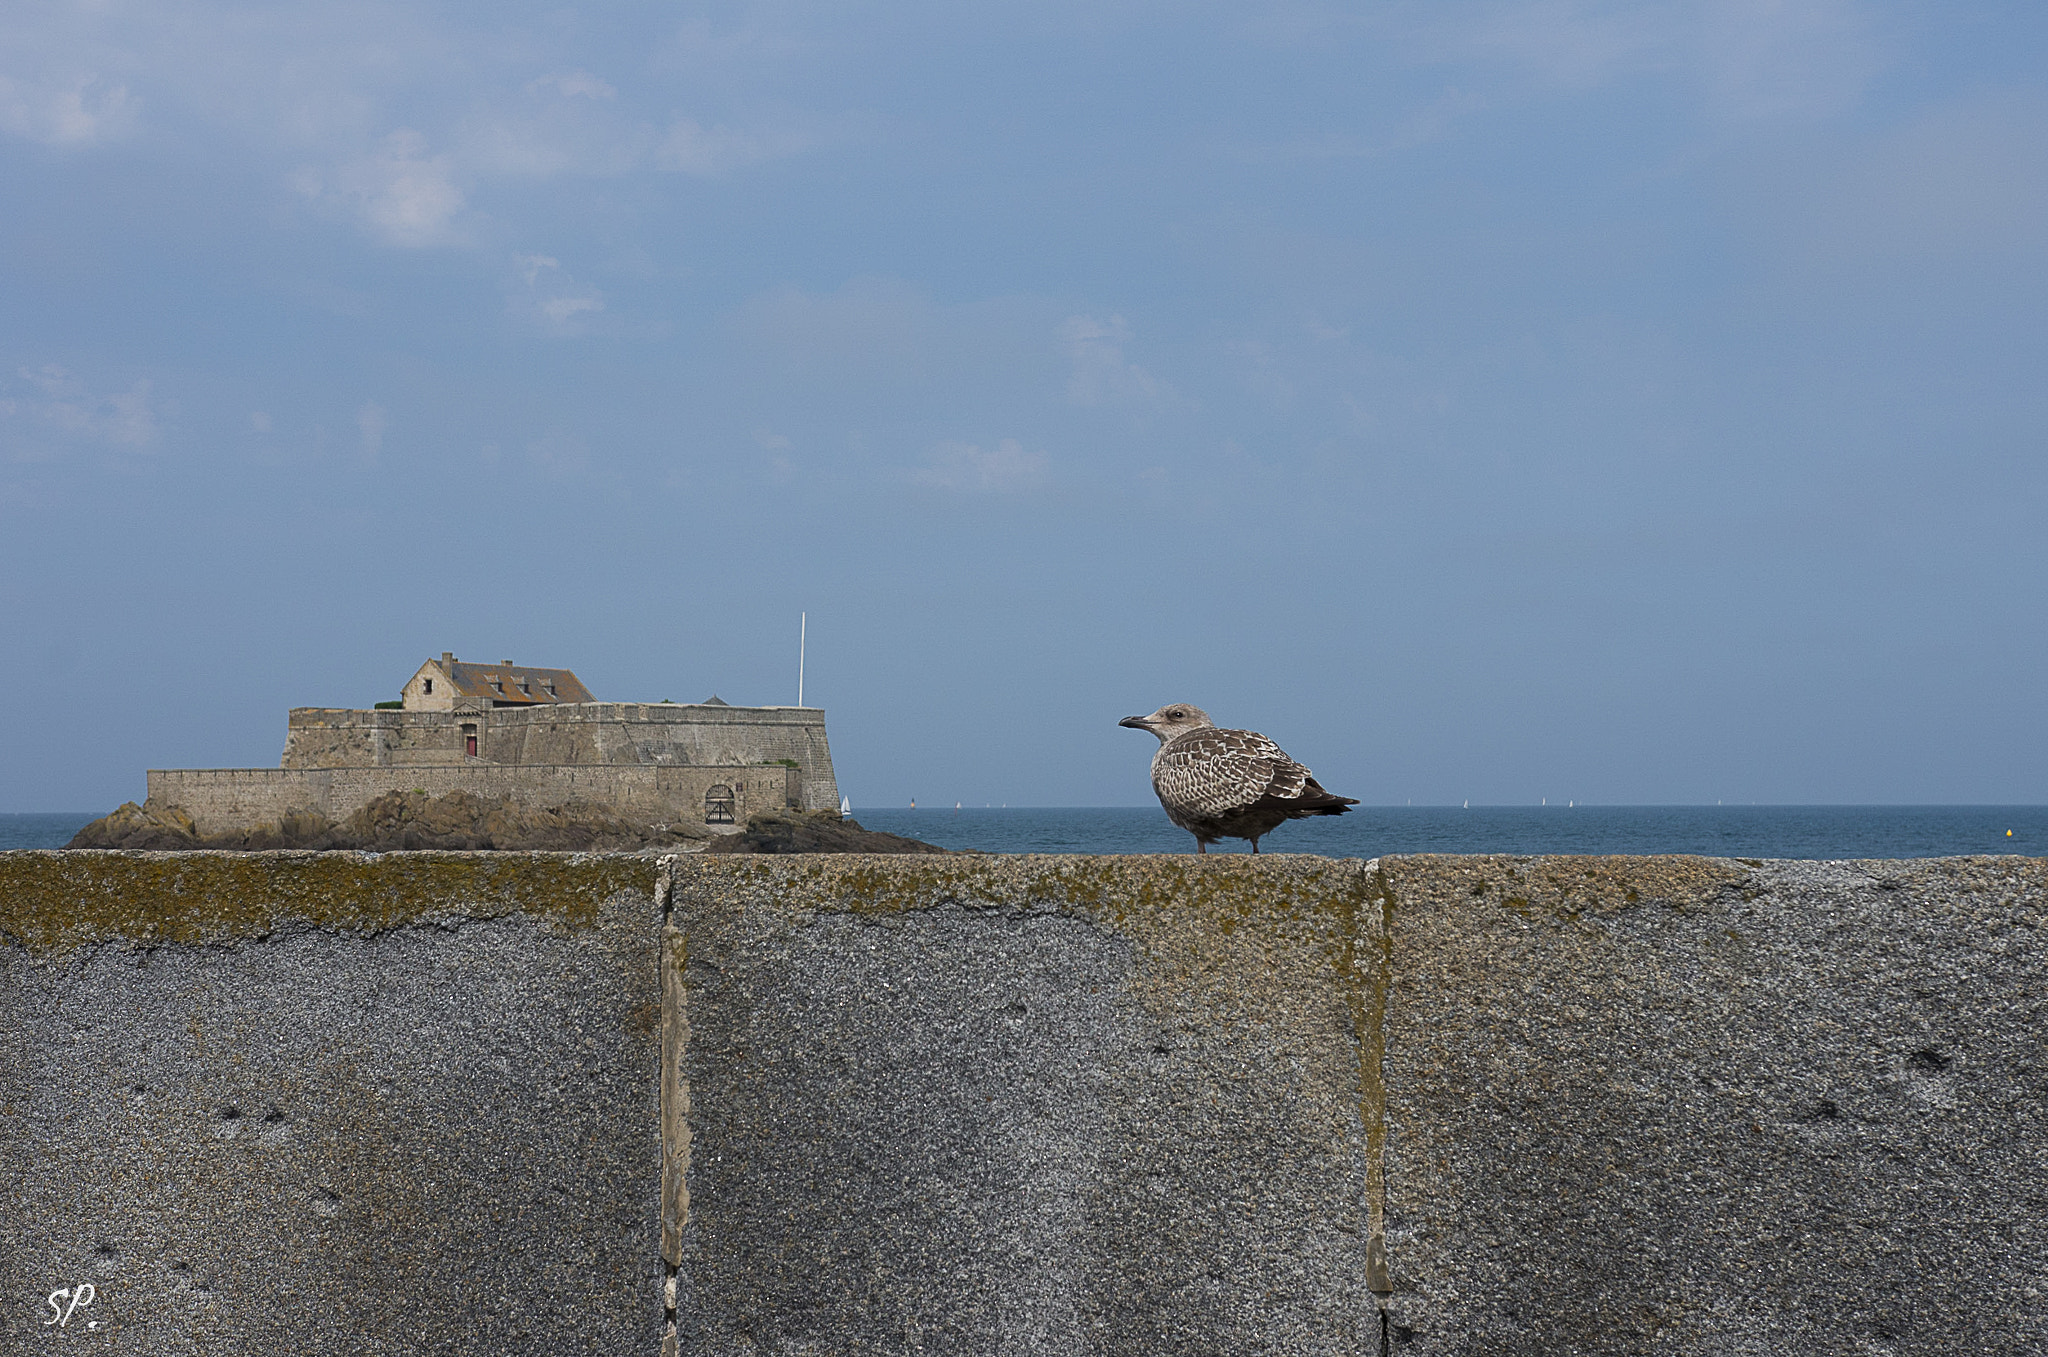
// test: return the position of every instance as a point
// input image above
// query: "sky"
(1619, 402)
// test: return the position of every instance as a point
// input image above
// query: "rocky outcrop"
(399, 821)
(817, 831)
(404, 821)
(131, 826)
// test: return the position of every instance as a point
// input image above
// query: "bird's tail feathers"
(1315, 801)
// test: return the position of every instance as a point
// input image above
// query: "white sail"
(845, 808)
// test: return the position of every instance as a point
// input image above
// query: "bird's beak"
(1135, 723)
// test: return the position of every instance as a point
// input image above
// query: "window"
(551, 690)
(430, 685)
(718, 805)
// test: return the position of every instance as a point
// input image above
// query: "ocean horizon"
(1803, 832)
(1797, 832)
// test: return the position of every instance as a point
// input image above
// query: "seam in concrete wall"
(675, 1101)
(1371, 998)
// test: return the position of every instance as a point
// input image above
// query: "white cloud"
(578, 138)
(1768, 58)
(1004, 469)
(402, 193)
(63, 406)
(65, 113)
(398, 115)
(560, 311)
(1574, 42)
(575, 85)
(1100, 375)
(691, 148)
(566, 125)
(548, 299)
(1749, 58)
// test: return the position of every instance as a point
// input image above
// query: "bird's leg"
(1255, 843)
(1201, 847)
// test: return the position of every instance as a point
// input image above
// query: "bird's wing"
(1213, 772)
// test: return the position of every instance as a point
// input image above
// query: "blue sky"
(1611, 402)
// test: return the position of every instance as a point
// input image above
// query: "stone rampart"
(220, 799)
(612, 734)
(518, 1103)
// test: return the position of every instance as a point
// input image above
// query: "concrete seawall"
(542, 1103)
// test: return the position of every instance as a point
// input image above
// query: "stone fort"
(535, 735)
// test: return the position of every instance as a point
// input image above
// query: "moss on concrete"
(1563, 889)
(54, 902)
(1231, 889)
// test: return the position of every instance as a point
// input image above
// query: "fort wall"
(555, 736)
(221, 799)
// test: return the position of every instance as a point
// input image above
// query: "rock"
(399, 821)
(813, 831)
(133, 826)
(409, 821)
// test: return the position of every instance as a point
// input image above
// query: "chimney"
(447, 659)
(506, 663)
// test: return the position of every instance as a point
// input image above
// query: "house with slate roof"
(447, 684)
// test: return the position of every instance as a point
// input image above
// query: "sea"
(1816, 832)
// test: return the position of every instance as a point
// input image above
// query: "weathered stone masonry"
(658, 762)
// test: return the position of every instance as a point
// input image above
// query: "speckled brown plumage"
(1235, 784)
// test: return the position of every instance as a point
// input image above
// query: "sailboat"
(845, 808)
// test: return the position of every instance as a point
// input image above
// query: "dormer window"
(551, 690)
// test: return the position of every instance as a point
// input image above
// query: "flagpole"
(802, 626)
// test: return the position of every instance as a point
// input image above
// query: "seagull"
(1228, 783)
